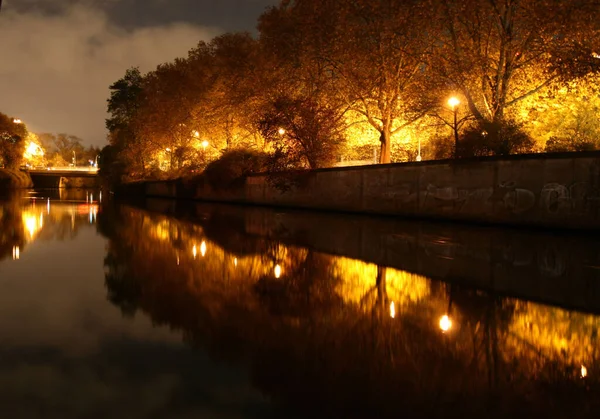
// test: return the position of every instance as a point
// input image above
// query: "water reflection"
(29, 216)
(332, 335)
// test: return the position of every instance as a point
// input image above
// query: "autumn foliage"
(327, 82)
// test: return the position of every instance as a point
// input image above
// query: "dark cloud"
(60, 56)
(228, 15)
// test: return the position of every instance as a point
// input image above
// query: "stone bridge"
(65, 177)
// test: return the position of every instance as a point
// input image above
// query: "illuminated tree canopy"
(380, 73)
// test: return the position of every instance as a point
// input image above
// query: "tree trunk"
(385, 155)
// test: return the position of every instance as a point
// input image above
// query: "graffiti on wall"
(579, 198)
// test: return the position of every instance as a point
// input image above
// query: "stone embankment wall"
(551, 190)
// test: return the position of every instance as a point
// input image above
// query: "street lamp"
(204, 144)
(453, 102)
(17, 121)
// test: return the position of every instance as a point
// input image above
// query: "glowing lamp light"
(194, 251)
(234, 261)
(453, 102)
(33, 149)
(203, 248)
(277, 271)
(204, 144)
(392, 310)
(281, 131)
(16, 253)
(445, 323)
(17, 121)
(583, 371)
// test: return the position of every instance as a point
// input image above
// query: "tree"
(123, 105)
(373, 52)
(64, 149)
(304, 133)
(565, 116)
(497, 53)
(227, 114)
(12, 141)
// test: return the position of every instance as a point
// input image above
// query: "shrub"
(575, 143)
(234, 165)
(494, 138)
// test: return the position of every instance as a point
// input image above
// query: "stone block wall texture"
(561, 190)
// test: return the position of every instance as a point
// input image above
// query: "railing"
(86, 169)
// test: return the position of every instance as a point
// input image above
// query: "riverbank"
(549, 190)
(14, 179)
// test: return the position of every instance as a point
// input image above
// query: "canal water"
(182, 310)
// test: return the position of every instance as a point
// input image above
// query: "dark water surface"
(110, 310)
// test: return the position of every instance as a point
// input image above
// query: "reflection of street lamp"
(74, 159)
(445, 323)
(454, 102)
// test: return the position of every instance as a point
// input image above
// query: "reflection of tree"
(311, 340)
(306, 282)
(488, 318)
(12, 232)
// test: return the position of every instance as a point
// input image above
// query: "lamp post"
(453, 102)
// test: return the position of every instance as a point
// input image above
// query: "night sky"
(58, 57)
